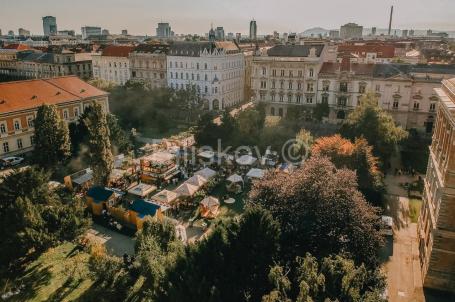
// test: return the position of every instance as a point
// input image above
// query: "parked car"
(11, 161)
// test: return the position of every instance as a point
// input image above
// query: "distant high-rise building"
(429, 33)
(404, 33)
(253, 30)
(373, 31)
(219, 33)
(334, 34)
(66, 32)
(351, 31)
(276, 35)
(10, 33)
(49, 25)
(238, 37)
(89, 31)
(24, 32)
(230, 36)
(105, 32)
(411, 33)
(124, 32)
(163, 30)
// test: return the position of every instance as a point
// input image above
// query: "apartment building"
(286, 75)
(216, 69)
(20, 100)
(436, 225)
(112, 64)
(405, 91)
(148, 64)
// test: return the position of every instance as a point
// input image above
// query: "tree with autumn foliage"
(357, 156)
(377, 126)
(321, 211)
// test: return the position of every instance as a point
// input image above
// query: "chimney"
(390, 20)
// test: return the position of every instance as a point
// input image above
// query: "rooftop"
(117, 50)
(294, 50)
(194, 49)
(30, 94)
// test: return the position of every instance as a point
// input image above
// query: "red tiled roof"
(29, 94)
(117, 50)
(16, 46)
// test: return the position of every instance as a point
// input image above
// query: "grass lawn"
(229, 210)
(57, 275)
(414, 209)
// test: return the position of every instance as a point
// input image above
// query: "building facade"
(215, 69)
(148, 64)
(405, 91)
(112, 64)
(351, 31)
(286, 75)
(19, 102)
(29, 64)
(253, 30)
(163, 30)
(436, 226)
(90, 31)
(49, 26)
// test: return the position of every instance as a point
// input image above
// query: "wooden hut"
(97, 199)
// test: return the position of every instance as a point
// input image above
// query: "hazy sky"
(195, 16)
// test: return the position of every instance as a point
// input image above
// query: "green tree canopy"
(101, 159)
(377, 126)
(321, 211)
(52, 143)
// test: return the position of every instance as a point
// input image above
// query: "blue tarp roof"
(144, 207)
(99, 194)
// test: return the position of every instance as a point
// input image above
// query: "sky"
(196, 16)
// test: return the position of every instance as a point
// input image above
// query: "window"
(19, 143)
(198, 77)
(290, 85)
(273, 98)
(311, 72)
(282, 72)
(2, 128)
(342, 101)
(272, 111)
(300, 73)
(378, 88)
(5, 147)
(65, 114)
(197, 66)
(362, 88)
(416, 105)
(17, 126)
(263, 84)
(299, 86)
(30, 122)
(432, 107)
(281, 98)
(206, 89)
(298, 99)
(206, 78)
(274, 72)
(273, 84)
(76, 112)
(309, 100)
(395, 104)
(309, 87)
(291, 73)
(192, 76)
(344, 87)
(32, 140)
(262, 96)
(172, 75)
(170, 64)
(325, 86)
(280, 112)
(264, 71)
(205, 65)
(325, 99)
(282, 84)
(289, 98)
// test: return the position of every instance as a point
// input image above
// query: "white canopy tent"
(235, 178)
(246, 160)
(255, 173)
(207, 173)
(197, 180)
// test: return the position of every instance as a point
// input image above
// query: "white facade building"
(216, 69)
(112, 64)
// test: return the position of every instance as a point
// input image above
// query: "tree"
(335, 278)
(230, 265)
(321, 110)
(373, 123)
(101, 159)
(33, 217)
(120, 140)
(303, 142)
(320, 211)
(52, 143)
(357, 156)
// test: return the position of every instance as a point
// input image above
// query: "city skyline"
(141, 16)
